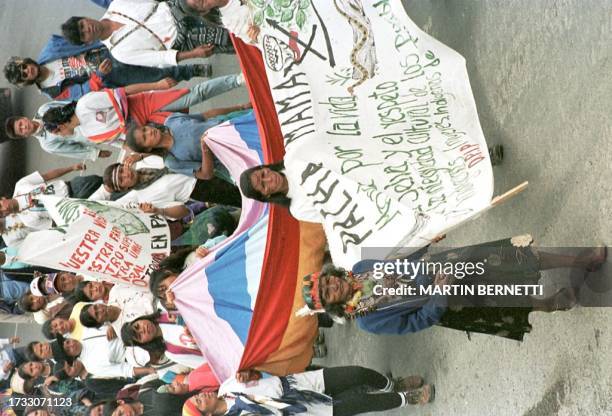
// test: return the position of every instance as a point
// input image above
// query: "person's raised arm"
(215, 112)
(143, 371)
(207, 170)
(175, 211)
(56, 173)
(201, 51)
(162, 84)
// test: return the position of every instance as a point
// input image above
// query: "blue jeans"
(203, 91)
(124, 74)
(10, 290)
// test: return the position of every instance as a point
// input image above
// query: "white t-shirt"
(169, 190)
(175, 334)
(271, 387)
(31, 186)
(15, 231)
(133, 303)
(4, 357)
(104, 358)
(141, 47)
(98, 117)
(68, 67)
(43, 315)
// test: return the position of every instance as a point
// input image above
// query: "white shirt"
(104, 358)
(68, 67)
(34, 184)
(4, 357)
(169, 190)
(141, 47)
(55, 74)
(43, 315)
(174, 334)
(301, 207)
(15, 231)
(97, 115)
(133, 303)
(75, 146)
(237, 18)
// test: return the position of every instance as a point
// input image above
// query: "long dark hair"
(173, 264)
(247, 188)
(86, 319)
(130, 139)
(71, 31)
(128, 334)
(56, 116)
(78, 294)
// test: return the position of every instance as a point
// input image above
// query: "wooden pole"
(498, 200)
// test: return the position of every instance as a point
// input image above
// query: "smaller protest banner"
(99, 239)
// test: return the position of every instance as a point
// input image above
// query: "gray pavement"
(540, 71)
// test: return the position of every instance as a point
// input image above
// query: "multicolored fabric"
(246, 290)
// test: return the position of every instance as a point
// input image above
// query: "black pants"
(193, 31)
(217, 191)
(124, 74)
(346, 386)
(83, 186)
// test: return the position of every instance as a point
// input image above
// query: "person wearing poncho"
(351, 294)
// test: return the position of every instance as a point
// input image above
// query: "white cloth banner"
(383, 109)
(99, 239)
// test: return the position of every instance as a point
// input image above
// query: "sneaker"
(202, 70)
(240, 80)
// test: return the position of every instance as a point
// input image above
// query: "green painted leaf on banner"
(300, 18)
(304, 4)
(270, 11)
(287, 15)
(258, 18)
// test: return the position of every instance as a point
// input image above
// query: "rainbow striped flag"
(240, 301)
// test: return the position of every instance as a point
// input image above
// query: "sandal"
(565, 299)
(420, 396)
(407, 383)
(598, 259)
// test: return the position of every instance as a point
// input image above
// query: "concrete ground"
(540, 74)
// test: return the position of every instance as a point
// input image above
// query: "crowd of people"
(112, 349)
